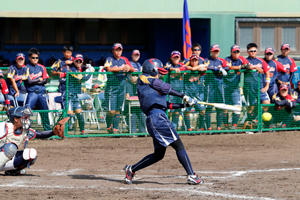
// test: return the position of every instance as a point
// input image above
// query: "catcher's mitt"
(59, 128)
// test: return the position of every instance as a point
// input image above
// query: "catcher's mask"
(21, 112)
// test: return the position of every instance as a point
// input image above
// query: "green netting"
(110, 107)
(109, 104)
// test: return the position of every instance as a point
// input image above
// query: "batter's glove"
(188, 100)
(59, 128)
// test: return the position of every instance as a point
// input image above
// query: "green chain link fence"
(108, 105)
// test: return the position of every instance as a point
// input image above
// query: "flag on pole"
(187, 37)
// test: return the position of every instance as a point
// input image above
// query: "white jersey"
(8, 135)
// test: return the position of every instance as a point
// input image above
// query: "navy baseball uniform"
(176, 82)
(289, 68)
(19, 75)
(194, 86)
(152, 93)
(215, 88)
(37, 97)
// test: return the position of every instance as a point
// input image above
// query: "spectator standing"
(60, 67)
(116, 86)
(257, 72)
(215, 84)
(194, 87)
(289, 65)
(176, 82)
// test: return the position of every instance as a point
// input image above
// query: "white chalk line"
(189, 192)
(20, 184)
(233, 174)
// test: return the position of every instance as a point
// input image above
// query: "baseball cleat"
(128, 174)
(194, 180)
(15, 172)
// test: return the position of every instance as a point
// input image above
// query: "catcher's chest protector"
(7, 134)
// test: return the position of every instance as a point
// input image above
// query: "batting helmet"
(18, 112)
(151, 66)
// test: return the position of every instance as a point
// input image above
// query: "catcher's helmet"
(19, 112)
(151, 66)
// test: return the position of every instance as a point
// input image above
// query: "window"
(48, 30)
(267, 35)
(289, 36)
(92, 30)
(268, 32)
(246, 36)
(26, 30)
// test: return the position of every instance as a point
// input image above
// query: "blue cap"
(215, 47)
(20, 55)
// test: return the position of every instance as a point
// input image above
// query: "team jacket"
(275, 68)
(34, 72)
(289, 66)
(19, 75)
(61, 66)
(112, 62)
(152, 93)
(233, 77)
(287, 102)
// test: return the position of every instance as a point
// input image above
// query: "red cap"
(117, 45)
(283, 87)
(235, 48)
(175, 53)
(269, 50)
(20, 55)
(285, 46)
(136, 52)
(194, 56)
(215, 47)
(79, 57)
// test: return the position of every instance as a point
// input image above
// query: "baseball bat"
(221, 106)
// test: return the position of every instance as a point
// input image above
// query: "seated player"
(194, 87)
(15, 134)
(36, 78)
(15, 81)
(152, 93)
(284, 105)
(4, 90)
(176, 81)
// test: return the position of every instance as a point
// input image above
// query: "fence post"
(259, 107)
(65, 110)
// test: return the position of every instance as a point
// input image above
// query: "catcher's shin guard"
(23, 159)
(3, 159)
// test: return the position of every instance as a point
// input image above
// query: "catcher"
(17, 132)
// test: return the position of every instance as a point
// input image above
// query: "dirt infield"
(260, 167)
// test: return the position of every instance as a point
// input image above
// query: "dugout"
(153, 26)
(94, 37)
